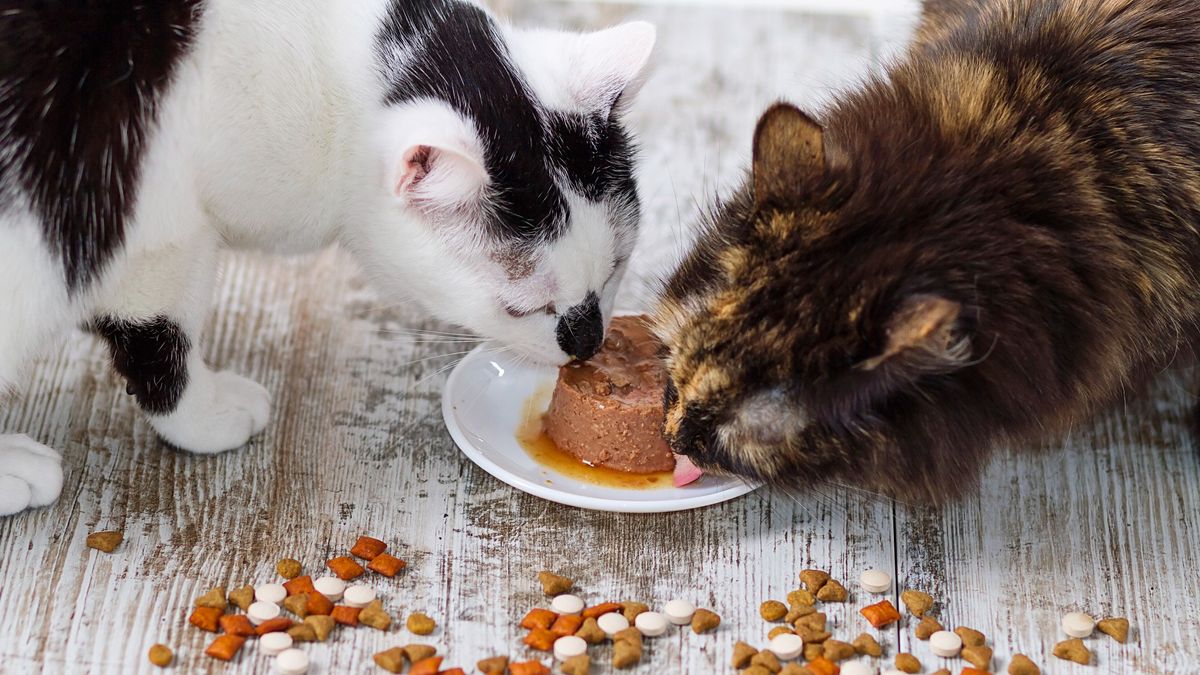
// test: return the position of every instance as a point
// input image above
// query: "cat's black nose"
(581, 329)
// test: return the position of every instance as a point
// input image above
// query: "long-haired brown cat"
(981, 248)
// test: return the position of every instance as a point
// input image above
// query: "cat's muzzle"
(581, 329)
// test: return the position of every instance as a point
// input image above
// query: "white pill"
(892, 671)
(273, 643)
(650, 624)
(612, 623)
(857, 668)
(261, 611)
(358, 596)
(330, 587)
(292, 662)
(270, 593)
(567, 604)
(786, 646)
(679, 612)
(945, 644)
(875, 581)
(568, 646)
(1078, 624)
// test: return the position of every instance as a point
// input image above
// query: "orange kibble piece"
(567, 624)
(881, 613)
(974, 671)
(427, 666)
(386, 564)
(823, 666)
(538, 618)
(298, 585)
(529, 668)
(367, 548)
(600, 610)
(206, 618)
(541, 639)
(453, 671)
(237, 624)
(225, 647)
(318, 604)
(347, 616)
(275, 625)
(345, 568)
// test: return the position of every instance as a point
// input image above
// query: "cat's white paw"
(218, 412)
(31, 474)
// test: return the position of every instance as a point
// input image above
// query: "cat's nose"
(581, 329)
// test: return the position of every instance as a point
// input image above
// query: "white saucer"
(483, 407)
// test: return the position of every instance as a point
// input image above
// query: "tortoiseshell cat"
(982, 247)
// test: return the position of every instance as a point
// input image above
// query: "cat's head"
(512, 205)
(810, 332)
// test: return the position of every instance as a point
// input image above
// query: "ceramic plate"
(484, 405)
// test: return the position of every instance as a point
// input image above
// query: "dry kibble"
(1021, 665)
(630, 635)
(970, 636)
(814, 580)
(554, 584)
(373, 615)
(978, 656)
(917, 602)
(815, 621)
(810, 635)
(813, 651)
(797, 612)
(104, 541)
(832, 591)
(161, 656)
(756, 670)
(289, 568)
(866, 644)
(801, 597)
(941, 671)
(242, 597)
(302, 632)
(795, 669)
(927, 627)
(742, 653)
(493, 666)
(421, 624)
(297, 604)
(767, 660)
(779, 630)
(626, 653)
(367, 548)
(237, 624)
(590, 632)
(704, 621)
(417, 653)
(1115, 627)
(206, 618)
(225, 647)
(1073, 650)
(836, 650)
(907, 663)
(772, 610)
(322, 625)
(577, 665)
(391, 660)
(214, 598)
(630, 609)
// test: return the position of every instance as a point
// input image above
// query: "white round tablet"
(291, 662)
(1078, 624)
(330, 587)
(273, 643)
(612, 623)
(679, 612)
(261, 611)
(945, 644)
(856, 668)
(650, 624)
(270, 593)
(358, 595)
(567, 604)
(875, 581)
(568, 646)
(786, 646)
(892, 671)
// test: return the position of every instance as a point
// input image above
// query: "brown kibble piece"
(225, 647)
(237, 624)
(590, 632)
(779, 630)
(302, 632)
(756, 670)
(813, 651)
(927, 627)
(941, 671)
(297, 604)
(214, 598)
(391, 660)
(347, 616)
(772, 610)
(704, 621)
(1021, 665)
(978, 656)
(386, 564)
(367, 548)
(1073, 650)
(373, 615)
(566, 624)
(1115, 627)
(318, 604)
(768, 660)
(298, 585)
(907, 663)
(836, 650)
(554, 584)
(419, 652)
(631, 635)
(795, 669)
(631, 609)
(626, 653)
(206, 618)
(540, 639)
(276, 625)
(322, 625)
(597, 611)
(420, 624)
(161, 656)
(815, 621)
(345, 568)
(529, 668)
(577, 665)
(814, 580)
(801, 597)
(798, 612)
(493, 666)
(866, 644)
(970, 636)
(742, 653)
(538, 618)
(917, 602)
(832, 591)
(104, 541)
(242, 597)
(812, 635)
(429, 666)
(289, 568)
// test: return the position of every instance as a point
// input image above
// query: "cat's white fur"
(274, 137)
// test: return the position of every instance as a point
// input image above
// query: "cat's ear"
(789, 156)
(926, 334)
(610, 66)
(438, 176)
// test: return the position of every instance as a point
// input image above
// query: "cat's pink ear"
(789, 156)
(925, 331)
(610, 66)
(438, 177)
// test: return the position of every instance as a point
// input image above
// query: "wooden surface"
(1106, 522)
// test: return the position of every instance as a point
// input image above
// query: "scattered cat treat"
(429, 666)
(979, 656)
(801, 598)
(704, 621)
(495, 665)
(321, 625)
(570, 624)
(577, 665)
(373, 615)
(822, 666)
(317, 603)
(297, 604)
(974, 671)
(276, 625)
(779, 630)
(391, 660)
(161, 656)
(813, 580)
(206, 618)
(917, 602)
(225, 647)
(836, 650)
(1073, 650)
(880, 614)
(299, 584)
(106, 542)
(345, 568)
(242, 597)
(970, 636)
(926, 628)
(1115, 627)
(418, 652)
(766, 659)
(867, 645)
(772, 610)
(367, 548)
(554, 584)
(1022, 665)
(742, 653)
(596, 611)
(302, 632)
(539, 618)
(237, 624)
(907, 663)
(627, 648)
(529, 668)
(540, 639)
(289, 568)
(386, 564)
(833, 591)
(589, 630)
(631, 609)
(420, 624)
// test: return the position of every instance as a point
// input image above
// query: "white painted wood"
(1106, 523)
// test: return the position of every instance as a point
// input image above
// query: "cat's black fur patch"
(152, 357)
(79, 86)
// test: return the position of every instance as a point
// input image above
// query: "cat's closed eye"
(517, 313)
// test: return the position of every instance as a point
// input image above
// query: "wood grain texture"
(1105, 522)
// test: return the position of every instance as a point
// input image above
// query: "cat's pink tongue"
(686, 472)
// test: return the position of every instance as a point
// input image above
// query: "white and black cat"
(480, 169)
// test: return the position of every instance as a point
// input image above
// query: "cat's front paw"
(31, 474)
(217, 412)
